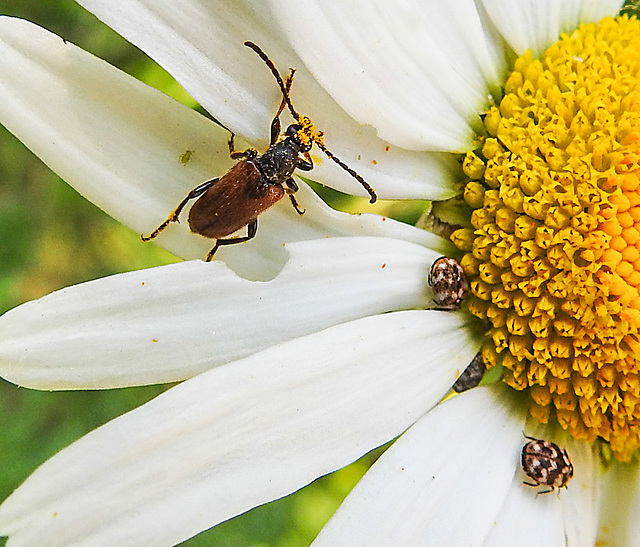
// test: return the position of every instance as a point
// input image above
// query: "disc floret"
(552, 252)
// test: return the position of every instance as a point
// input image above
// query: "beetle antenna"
(348, 169)
(314, 136)
(276, 75)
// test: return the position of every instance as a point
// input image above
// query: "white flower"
(328, 352)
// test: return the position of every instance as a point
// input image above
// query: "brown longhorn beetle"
(226, 204)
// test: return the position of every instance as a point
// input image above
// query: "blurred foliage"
(51, 238)
(631, 7)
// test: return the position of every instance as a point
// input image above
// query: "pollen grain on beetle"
(552, 251)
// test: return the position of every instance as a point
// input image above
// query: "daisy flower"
(519, 119)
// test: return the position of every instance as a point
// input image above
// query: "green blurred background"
(51, 237)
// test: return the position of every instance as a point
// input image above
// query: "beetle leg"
(173, 217)
(275, 129)
(296, 205)
(275, 124)
(292, 186)
(305, 164)
(291, 189)
(248, 154)
(252, 229)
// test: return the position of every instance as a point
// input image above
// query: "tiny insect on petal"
(448, 282)
(546, 464)
(471, 376)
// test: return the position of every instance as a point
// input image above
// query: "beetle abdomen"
(233, 202)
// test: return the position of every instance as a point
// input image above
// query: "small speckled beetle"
(448, 282)
(471, 376)
(546, 464)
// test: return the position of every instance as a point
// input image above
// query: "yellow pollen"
(308, 134)
(552, 252)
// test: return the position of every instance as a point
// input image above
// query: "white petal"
(581, 499)
(201, 45)
(241, 435)
(116, 140)
(442, 483)
(578, 504)
(419, 72)
(120, 143)
(171, 323)
(619, 524)
(519, 518)
(263, 257)
(594, 10)
(536, 24)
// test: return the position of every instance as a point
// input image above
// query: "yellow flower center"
(553, 251)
